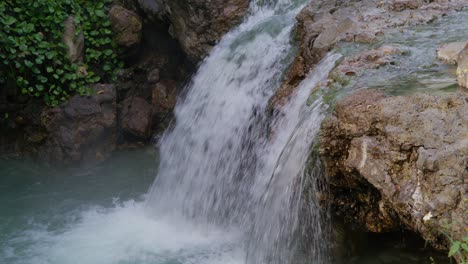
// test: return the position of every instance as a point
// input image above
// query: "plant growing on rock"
(458, 248)
(36, 57)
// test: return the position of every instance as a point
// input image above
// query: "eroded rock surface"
(83, 129)
(462, 70)
(127, 26)
(393, 160)
(372, 59)
(135, 117)
(199, 24)
(321, 24)
(448, 52)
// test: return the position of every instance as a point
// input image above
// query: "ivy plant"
(33, 55)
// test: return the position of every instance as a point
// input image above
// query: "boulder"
(164, 97)
(153, 9)
(83, 129)
(462, 70)
(135, 117)
(448, 52)
(127, 26)
(391, 161)
(198, 25)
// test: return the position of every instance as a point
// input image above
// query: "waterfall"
(206, 159)
(225, 162)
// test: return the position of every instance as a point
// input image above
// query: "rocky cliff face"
(196, 24)
(393, 160)
(199, 24)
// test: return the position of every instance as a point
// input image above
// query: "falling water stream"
(226, 163)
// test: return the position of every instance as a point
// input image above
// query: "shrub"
(34, 57)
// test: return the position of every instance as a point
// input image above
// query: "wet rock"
(164, 97)
(83, 129)
(392, 160)
(153, 9)
(356, 65)
(198, 25)
(448, 52)
(322, 24)
(135, 117)
(153, 76)
(462, 70)
(127, 26)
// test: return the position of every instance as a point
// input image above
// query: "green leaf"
(454, 248)
(50, 54)
(49, 69)
(99, 13)
(28, 63)
(28, 28)
(107, 52)
(9, 21)
(464, 246)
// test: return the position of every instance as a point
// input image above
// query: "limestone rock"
(462, 70)
(448, 52)
(322, 24)
(395, 159)
(199, 24)
(135, 117)
(400, 5)
(127, 26)
(83, 129)
(371, 59)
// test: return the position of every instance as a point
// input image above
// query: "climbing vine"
(33, 54)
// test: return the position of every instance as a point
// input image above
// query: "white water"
(230, 186)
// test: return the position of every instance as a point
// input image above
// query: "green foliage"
(460, 249)
(34, 56)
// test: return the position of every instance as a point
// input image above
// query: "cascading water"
(220, 165)
(232, 181)
(204, 156)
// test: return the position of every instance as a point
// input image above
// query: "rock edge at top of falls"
(393, 160)
(322, 24)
